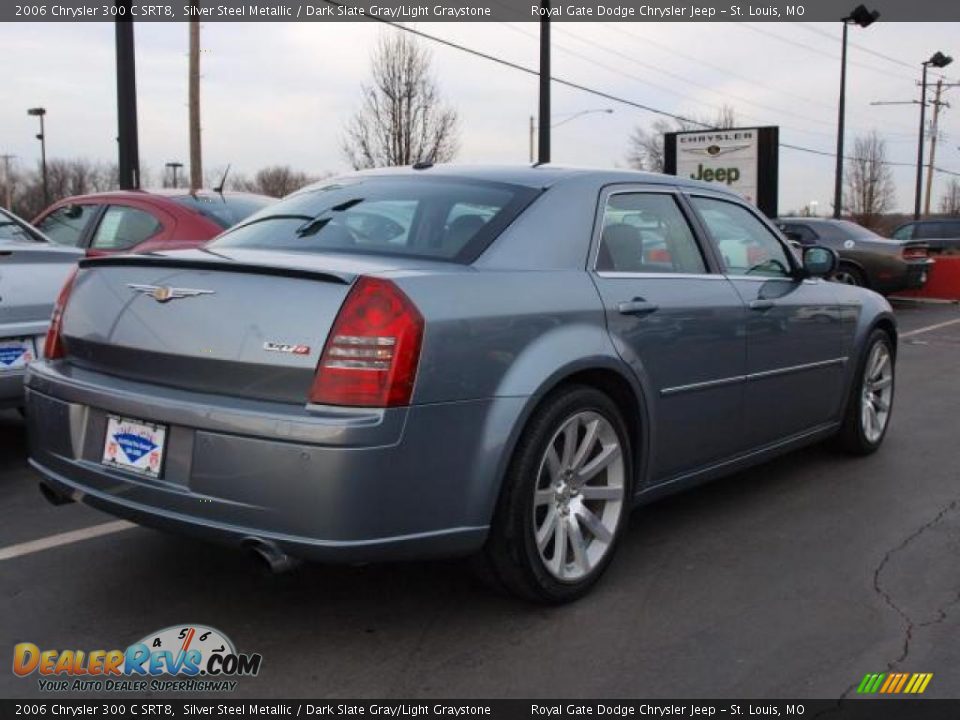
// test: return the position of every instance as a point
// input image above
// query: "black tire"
(852, 437)
(510, 556)
(852, 275)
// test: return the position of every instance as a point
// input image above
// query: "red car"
(144, 221)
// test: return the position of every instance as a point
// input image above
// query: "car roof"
(167, 193)
(535, 176)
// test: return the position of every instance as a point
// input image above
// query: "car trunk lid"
(249, 327)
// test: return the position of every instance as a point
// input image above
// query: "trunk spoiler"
(215, 263)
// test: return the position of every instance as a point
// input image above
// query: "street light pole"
(173, 167)
(572, 116)
(862, 17)
(42, 137)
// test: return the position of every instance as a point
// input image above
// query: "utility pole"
(533, 132)
(196, 161)
(8, 180)
(933, 143)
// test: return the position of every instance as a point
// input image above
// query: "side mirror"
(819, 261)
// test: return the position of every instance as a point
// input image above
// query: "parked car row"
(443, 361)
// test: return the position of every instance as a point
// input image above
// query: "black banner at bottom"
(853, 709)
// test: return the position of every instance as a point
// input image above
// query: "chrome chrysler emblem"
(163, 293)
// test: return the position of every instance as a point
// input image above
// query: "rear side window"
(123, 227)
(65, 225)
(647, 233)
(446, 219)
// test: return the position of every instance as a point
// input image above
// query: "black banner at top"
(468, 10)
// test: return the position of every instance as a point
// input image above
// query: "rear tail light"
(915, 252)
(371, 355)
(53, 346)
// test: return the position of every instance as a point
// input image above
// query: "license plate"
(15, 354)
(134, 445)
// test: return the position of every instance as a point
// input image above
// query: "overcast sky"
(280, 93)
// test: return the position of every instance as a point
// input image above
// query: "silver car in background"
(453, 361)
(32, 271)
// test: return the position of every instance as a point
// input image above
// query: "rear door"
(676, 321)
(122, 227)
(795, 359)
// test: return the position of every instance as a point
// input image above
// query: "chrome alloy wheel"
(579, 496)
(877, 392)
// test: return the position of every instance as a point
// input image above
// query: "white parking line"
(67, 538)
(927, 329)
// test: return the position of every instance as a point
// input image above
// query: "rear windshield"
(439, 218)
(225, 210)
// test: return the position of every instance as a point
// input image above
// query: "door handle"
(637, 306)
(761, 304)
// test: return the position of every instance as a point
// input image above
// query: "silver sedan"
(498, 362)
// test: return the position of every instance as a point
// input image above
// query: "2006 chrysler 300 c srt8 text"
(447, 360)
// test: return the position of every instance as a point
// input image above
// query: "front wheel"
(871, 398)
(567, 494)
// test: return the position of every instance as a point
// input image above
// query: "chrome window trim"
(618, 275)
(751, 377)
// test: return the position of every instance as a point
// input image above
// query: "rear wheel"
(566, 497)
(871, 399)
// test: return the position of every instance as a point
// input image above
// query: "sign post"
(744, 160)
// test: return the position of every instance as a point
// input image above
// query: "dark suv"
(940, 233)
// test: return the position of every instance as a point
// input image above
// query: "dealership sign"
(741, 159)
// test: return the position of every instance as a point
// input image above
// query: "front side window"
(65, 225)
(647, 233)
(746, 245)
(801, 233)
(441, 218)
(123, 227)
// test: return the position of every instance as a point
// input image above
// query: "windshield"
(446, 219)
(225, 210)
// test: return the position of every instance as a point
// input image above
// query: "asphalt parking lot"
(790, 580)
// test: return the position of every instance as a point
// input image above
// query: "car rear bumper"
(321, 483)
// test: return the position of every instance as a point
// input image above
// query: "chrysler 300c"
(496, 362)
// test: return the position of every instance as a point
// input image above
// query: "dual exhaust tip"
(267, 554)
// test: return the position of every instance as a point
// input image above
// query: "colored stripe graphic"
(894, 683)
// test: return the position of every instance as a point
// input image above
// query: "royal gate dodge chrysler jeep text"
(449, 361)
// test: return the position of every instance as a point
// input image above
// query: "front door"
(677, 321)
(795, 360)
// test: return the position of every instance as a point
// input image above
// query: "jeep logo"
(724, 175)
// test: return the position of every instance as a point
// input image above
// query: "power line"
(593, 91)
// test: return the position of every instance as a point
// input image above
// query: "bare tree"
(950, 202)
(402, 118)
(66, 177)
(276, 181)
(869, 181)
(645, 147)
